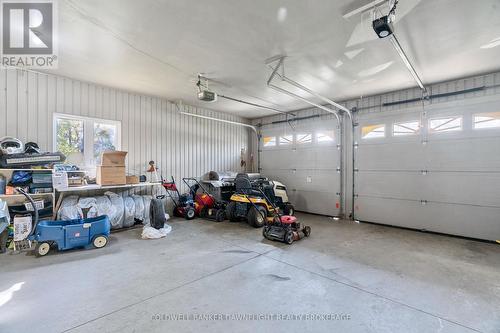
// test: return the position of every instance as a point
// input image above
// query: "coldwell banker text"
(28, 30)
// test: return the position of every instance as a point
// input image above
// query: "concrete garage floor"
(375, 278)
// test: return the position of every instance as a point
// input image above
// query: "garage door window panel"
(269, 141)
(303, 138)
(406, 128)
(373, 131)
(286, 140)
(325, 136)
(443, 125)
(487, 120)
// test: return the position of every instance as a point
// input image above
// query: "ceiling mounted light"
(383, 27)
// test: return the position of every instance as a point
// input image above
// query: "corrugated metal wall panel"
(152, 129)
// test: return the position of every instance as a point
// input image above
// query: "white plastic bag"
(88, 204)
(69, 213)
(104, 206)
(70, 200)
(149, 232)
(139, 207)
(147, 205)
(128, 219)
(116, 216)
(69, 209)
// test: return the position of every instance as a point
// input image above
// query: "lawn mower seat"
(286, 219)
(243, 185)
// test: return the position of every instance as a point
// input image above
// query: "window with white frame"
(83, 139)
(406, 128)
(303, 138)
(325, 136)
(373, 131)
(445, 124)
(487, 120)
(286, 140)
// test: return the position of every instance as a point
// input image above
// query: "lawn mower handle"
(186, 181)
(163, 182)
(267, 199)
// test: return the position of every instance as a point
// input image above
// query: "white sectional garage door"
(305, 159)
(439, 172)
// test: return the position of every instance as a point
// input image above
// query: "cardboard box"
(111, 175)
(132, 180)
(113, 158)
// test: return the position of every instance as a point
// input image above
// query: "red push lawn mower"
(284, 228)
(205, 204)
(184, 204)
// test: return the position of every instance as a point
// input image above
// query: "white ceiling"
(157, 47)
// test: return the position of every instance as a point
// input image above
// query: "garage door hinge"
(356, 145)
(423, 202)
(339, 194)
(355, 124)
(338, 169)
(356, 195)
(356, 170)
(424, 172)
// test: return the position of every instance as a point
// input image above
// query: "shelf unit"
(15, 199)
(59, 193)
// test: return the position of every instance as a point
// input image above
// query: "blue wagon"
(69, 234)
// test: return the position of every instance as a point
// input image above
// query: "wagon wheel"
(100, 241)
(42, 249)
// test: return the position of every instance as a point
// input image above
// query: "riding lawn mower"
(251, 203)
(259, 210)
(277, 194)
(221, 185)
